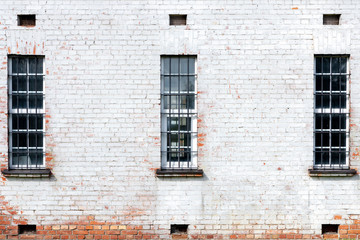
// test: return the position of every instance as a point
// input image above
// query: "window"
(331, 112)
(26, 20)
(331, 19)
(178, 19)
(26, 112)
(178, 112)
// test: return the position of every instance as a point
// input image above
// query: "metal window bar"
(333, 151)
(31, 155)
(178, 151)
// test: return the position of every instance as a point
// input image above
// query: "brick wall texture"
(255, 63)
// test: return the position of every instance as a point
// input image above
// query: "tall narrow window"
(331, 112)
(26, 112)
(178, 112)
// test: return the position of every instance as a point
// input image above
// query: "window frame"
(341, 112)
(27, 112)
(169, 113)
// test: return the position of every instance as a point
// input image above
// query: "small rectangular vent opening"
(331, 19)
(329, 228)
(177, 19)
(27, 229)
(179, 228)
(26, 20)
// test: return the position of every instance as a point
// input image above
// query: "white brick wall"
(255, 103)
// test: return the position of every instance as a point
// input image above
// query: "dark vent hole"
(179, 228)
(331, 19)
(177, 19)
(27, 229)
(26, 20)
(330, 229)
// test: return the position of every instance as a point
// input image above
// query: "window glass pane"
(326, 83)
(35, 83)
(338, 101)
(191, 102)
(183, 83)
(14, 122)
(342, 83)
(14, 83)
(318, 85)
(165, 69)
(335, 65)
(19, 122)
(322, 101)
(338, 83)
(35, 101)
(174, 141)
(343, 64)
(19, 159)
(15, 65)
(191, 83)
(187, 83)
(165, 102)
(40, 66)
(32, 65)
(19, 101)
(184, 65)
(338, 139)
(335, 83)
(173, 124)
(183, 156)
(36, 158)
(19, 140)
(322, 83)
(36, 65)
(338, 121)
(318, 65)
(326, 65)
(35, 139)
(166, 82)
(173, 104)
(184, 139)
(185, 124)
(174, 68)
(322, 139)
(321, 157)
(191, 65)
(36, 122)
(322, 121)
(22, 85)
(22, 65)
(174, 83)
(183, 102)
(338, 157)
